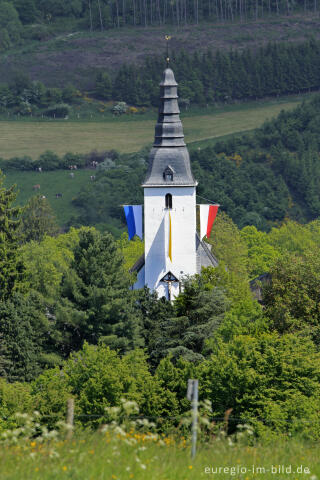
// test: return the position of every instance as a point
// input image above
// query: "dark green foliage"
(273, 70)
(27, 97)
(27, 10)
(117, 182)
(96, 303)
(103, 88)
(10, 25)
(37, 220)
(181, 329)
(24, 331)
(11, 267)
(60, 110)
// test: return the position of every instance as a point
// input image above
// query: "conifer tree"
(97, 304)
(37, 220)
(11, 267)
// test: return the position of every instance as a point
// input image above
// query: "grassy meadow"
(58, 181)
(100, 456)
(18, 138)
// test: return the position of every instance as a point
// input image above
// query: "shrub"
(48, 161)
(120, 108)
(59, 110)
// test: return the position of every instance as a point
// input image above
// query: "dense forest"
(273, 70)
(104, 14)
(276, 69)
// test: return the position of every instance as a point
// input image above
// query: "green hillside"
(51, 183)
(129, 134)
(72, 55)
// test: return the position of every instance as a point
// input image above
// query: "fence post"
(70, 417)
(193, 396)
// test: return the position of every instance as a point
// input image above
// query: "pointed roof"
(169, 147)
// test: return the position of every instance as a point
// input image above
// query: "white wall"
(183, 220)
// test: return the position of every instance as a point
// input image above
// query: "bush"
(17, 163)
(60, 110)
(37, 32)
(49, 161)
(120, 108)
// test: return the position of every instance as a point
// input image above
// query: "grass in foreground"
(126, 136)
(102, 456)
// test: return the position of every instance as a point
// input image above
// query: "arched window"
(169, 200)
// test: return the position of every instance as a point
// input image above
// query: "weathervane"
(168, 38)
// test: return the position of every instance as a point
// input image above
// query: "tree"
(292, 298)
(271, 381)
(27, 10)
(96, 302)
(103, 88)
(228, 246)
(100, 377)
(11, 266)
(24, 329)
(46, 263)
(37, 220)
(9, 21)
(181, 329)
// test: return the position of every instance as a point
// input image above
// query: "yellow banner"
(170, 238)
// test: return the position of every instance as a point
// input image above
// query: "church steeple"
(169, 149)
(169, 131)
(173, 249)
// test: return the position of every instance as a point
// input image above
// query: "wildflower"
(36, 469)
(91, 452)
(190, 467)
(64, 468)
(143, 466)
(33, 444)
(113, 476)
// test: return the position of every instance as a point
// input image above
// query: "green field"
(33, 138)
(99, 457)
(51, 183)
(18, 138)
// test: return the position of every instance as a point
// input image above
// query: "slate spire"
(169, 131)
(169, 149)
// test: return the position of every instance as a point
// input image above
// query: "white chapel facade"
(173, 249)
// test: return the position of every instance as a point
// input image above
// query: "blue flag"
(133, 215)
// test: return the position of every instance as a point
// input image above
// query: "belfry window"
(169, 200)
(168, 174)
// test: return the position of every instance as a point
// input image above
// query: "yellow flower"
(91, 452)
(36, 469)
(33, 444)
(113, 476)
(64, 468)
(190, 467)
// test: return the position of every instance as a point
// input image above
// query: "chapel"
(173, 247)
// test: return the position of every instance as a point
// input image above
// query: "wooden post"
(192, 395)
(70, 417)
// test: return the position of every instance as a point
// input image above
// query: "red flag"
(213, 210)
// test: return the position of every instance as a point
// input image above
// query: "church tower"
(172, 247)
